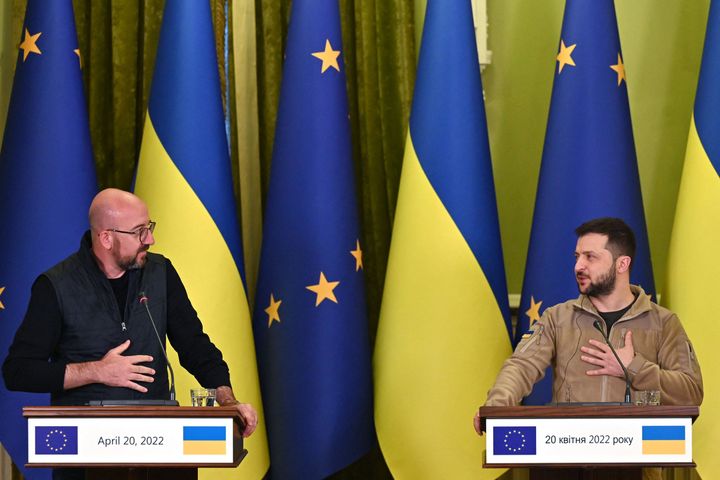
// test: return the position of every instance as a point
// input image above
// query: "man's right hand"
(114, 370)
(476, 423)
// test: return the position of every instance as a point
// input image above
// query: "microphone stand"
(599, 328)
(144, 300)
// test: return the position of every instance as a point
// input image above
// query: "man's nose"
(579, 265)
(149, 238)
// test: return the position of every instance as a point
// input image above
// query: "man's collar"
(640, 305)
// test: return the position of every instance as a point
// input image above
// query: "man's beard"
(133, 262)
(604, 285)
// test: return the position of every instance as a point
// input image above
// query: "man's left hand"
(249, 416)
(226, 398)
(598, 353)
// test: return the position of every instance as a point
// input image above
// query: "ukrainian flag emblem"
(663, 439)
(204, 440)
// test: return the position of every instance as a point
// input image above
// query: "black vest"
(92, 323)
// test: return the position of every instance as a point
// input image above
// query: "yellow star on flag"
(2, 307)
(620, 69)
(324, 290)
(564, 56)
(29, 45)
(357, 253)
(272, 311)
(77, 52)
(534, 311)
(329, 57)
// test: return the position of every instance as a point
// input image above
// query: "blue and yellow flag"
(663, 439)
(692, 283)
(47, 181)
(588, 169)
(310, 320)
(205, 440)
(184, 175)
(444, 323)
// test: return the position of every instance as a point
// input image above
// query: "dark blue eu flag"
(310, 320)
(589, 168)
(47, 180)
(514, 440)
(62, 440)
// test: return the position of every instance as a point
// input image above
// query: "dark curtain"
(118, 40)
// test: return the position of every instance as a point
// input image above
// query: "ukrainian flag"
(47, 181)
(200, 440)
(663, 440)
(692, 284)
(444, 323)
(184, 175)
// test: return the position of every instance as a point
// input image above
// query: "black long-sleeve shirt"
(28, 366)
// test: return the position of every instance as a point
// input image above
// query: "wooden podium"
(588, 441)
(135, 442)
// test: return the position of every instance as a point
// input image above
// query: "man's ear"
(105, 240)
(623, 264)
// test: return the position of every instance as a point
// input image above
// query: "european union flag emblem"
(56, 440)
(514, 441)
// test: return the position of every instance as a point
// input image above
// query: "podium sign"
(588, 436)
(589, 441)
(132, 437)
(130, 440)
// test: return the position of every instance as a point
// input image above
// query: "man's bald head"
(112, 208)
(121, 231)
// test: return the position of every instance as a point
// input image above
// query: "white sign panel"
(588, 440)
(130, 440)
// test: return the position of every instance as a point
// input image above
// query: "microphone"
(142, 298)
(599, 328)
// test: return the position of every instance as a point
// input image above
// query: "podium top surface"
(131, 411)
(589, 411)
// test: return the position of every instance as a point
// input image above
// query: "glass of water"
(641, 398)
(647, 397)
(202, 397)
